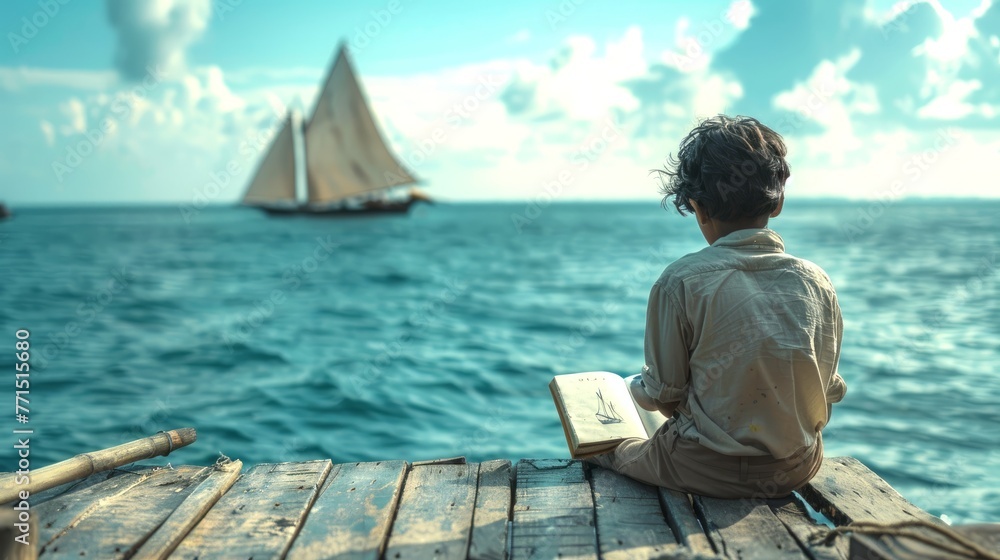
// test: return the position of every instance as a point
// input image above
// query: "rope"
(222, 461)
(170, 442)
(959, 544)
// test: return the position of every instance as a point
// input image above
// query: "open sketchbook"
(597, 412)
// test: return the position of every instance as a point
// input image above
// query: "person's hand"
(639, 394)
(666, 409)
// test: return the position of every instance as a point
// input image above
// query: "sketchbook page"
(562, 419)
(598, 407)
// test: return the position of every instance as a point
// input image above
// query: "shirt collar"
(762, 239)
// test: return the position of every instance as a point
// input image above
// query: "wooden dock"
(548, 508)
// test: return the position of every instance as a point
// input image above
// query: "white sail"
(275, 178)
(345, 152)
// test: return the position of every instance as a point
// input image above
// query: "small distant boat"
(4, 211)
(348, 168)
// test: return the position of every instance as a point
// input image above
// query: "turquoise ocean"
(435, 334)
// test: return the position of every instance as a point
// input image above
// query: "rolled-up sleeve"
(666, 373)
(835, 393)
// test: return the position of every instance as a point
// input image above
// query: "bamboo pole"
(86, 464)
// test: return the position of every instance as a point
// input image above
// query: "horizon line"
(658, 202)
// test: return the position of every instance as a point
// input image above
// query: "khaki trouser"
(673, 462)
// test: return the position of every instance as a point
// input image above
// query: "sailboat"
(348, 169)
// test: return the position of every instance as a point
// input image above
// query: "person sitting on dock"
(742, 339)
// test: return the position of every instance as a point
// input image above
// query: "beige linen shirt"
(743, 340)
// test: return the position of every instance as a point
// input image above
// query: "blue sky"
(576, 99)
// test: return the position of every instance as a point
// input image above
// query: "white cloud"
(453, 137)
(695, 42)
(15, 79)
(829, 99)
(582, 84)
(216, 90)
(899, 163)
(713, 94)
(521, 36)
(448, 118)
(690, 55)
(952, 44)
(951, 104)
(76, 116)
(48, 131)
(739, 13)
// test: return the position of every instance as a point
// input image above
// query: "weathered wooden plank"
(684, 523)
(58, 512)
(845, 490)
(190, 512)
(809, 534)
(489, 521)
(898, 547)
(553, 511)
(78, 485)
(630, 523)
(18, 533)
(260, 515)
(353, 515)
(116, 526)
(746, 529)
(434, 518)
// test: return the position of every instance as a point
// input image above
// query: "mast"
(298, 141)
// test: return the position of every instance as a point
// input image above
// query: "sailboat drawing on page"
(606, 412)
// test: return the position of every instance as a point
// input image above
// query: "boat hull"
(369, 209)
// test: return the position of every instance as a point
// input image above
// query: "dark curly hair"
(734, 168)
